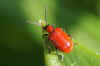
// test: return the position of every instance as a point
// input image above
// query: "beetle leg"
(49, 49)
(70, 35)
(45, 36)
(60, 55)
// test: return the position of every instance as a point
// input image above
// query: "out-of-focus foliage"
(21, 43)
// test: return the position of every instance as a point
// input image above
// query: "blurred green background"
(21, 44)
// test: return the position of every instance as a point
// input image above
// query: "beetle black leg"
(45, 36)
(70, 35)
(60, 55)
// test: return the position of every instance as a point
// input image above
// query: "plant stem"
(51, 59)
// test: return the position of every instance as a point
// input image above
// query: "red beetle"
(59, 38)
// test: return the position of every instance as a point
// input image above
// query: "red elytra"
(60, 39)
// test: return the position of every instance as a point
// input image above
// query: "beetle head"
(49, 28)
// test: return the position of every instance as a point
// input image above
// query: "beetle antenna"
(45, 16)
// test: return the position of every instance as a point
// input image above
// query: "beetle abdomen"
(61, 40)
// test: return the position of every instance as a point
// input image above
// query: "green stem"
(51, 59)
